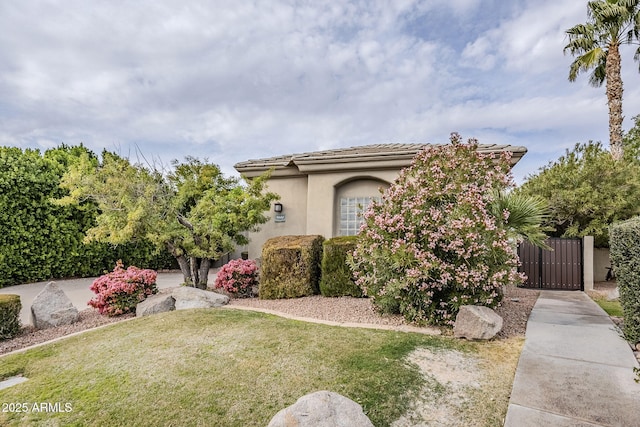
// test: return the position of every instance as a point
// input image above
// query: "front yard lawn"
(236, 368)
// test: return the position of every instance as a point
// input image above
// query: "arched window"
(352, 199)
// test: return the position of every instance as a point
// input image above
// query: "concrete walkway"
(78, 291)
(575, 369)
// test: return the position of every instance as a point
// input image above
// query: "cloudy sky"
(233, 80)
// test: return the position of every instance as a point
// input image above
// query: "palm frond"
(524, 215)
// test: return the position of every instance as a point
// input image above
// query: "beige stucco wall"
(309, 202)
(600, 263)
(322, 196)
(293, 196)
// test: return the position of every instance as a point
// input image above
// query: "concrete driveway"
(78, 290)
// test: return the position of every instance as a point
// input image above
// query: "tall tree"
(631, 141)
(193, 211)
(597, 47)
(586, 191)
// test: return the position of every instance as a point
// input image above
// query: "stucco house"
(323, 192)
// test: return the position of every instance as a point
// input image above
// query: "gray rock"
(51, 307)
(156, 304)
(477, 323)
(322, 409)
(187, 297)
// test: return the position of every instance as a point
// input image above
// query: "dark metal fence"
(559, 268)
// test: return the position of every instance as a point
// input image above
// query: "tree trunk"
(194, 270)
(203, 272)
(184, 268)
(614, 100)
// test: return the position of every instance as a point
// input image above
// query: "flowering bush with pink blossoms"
(238, 277)
(432, 243)
(121, 290)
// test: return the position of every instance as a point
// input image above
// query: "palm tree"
(526, 214)
(597, 46)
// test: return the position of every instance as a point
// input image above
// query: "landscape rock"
(322, 409)
(477, 323)
(51, 307)
(156, 304)
(187, 297)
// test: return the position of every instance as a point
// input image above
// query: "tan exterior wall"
(601, 261)
(293, 196)
(309, 203)
(322, 197)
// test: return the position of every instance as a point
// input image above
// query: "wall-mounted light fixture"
(277, 207)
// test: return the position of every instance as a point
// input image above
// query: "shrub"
(625, 257)
(121, 290)
(238, 277)
(290, 267)
(9, 316)
(587, 190)
(337, 277)
(433, 244)
(40, 240)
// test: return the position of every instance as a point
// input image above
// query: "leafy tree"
(41, 241)
(438, 240)
(193, 211)
(587, 190)
(631, 141)
(597, 46)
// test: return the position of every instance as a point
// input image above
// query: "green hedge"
(625, 257)
(290, 267)
(41, 241)
(337, 277)
(9, 316)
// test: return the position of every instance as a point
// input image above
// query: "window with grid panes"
(351, 213)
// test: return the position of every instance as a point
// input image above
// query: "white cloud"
(237, 80)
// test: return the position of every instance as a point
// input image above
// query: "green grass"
(613, 308)
(219, 368)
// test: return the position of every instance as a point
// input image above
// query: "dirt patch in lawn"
(463, 388)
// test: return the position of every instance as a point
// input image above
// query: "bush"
(40, 240)
(9, 316)
(587, 190)
(238, 277)
(625, 257)
(290, 267)
(433, 243)
(121, 290)
(337, 277)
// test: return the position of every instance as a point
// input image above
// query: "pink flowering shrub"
(432, 243)
(121, 290)
(238, 277)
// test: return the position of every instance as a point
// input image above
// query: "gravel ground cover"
(514, 309)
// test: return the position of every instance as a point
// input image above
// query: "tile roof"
(361, 153)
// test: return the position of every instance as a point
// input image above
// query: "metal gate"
(559, 268)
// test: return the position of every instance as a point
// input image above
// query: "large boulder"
(51, 307)
(187, 297)
(477, 323)
(156, 304)
(322, 409)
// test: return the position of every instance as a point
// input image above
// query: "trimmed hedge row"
(337, 278)
(290, 267)
(40, 240)
(296, 266)
(9, 316)
(625, 257)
